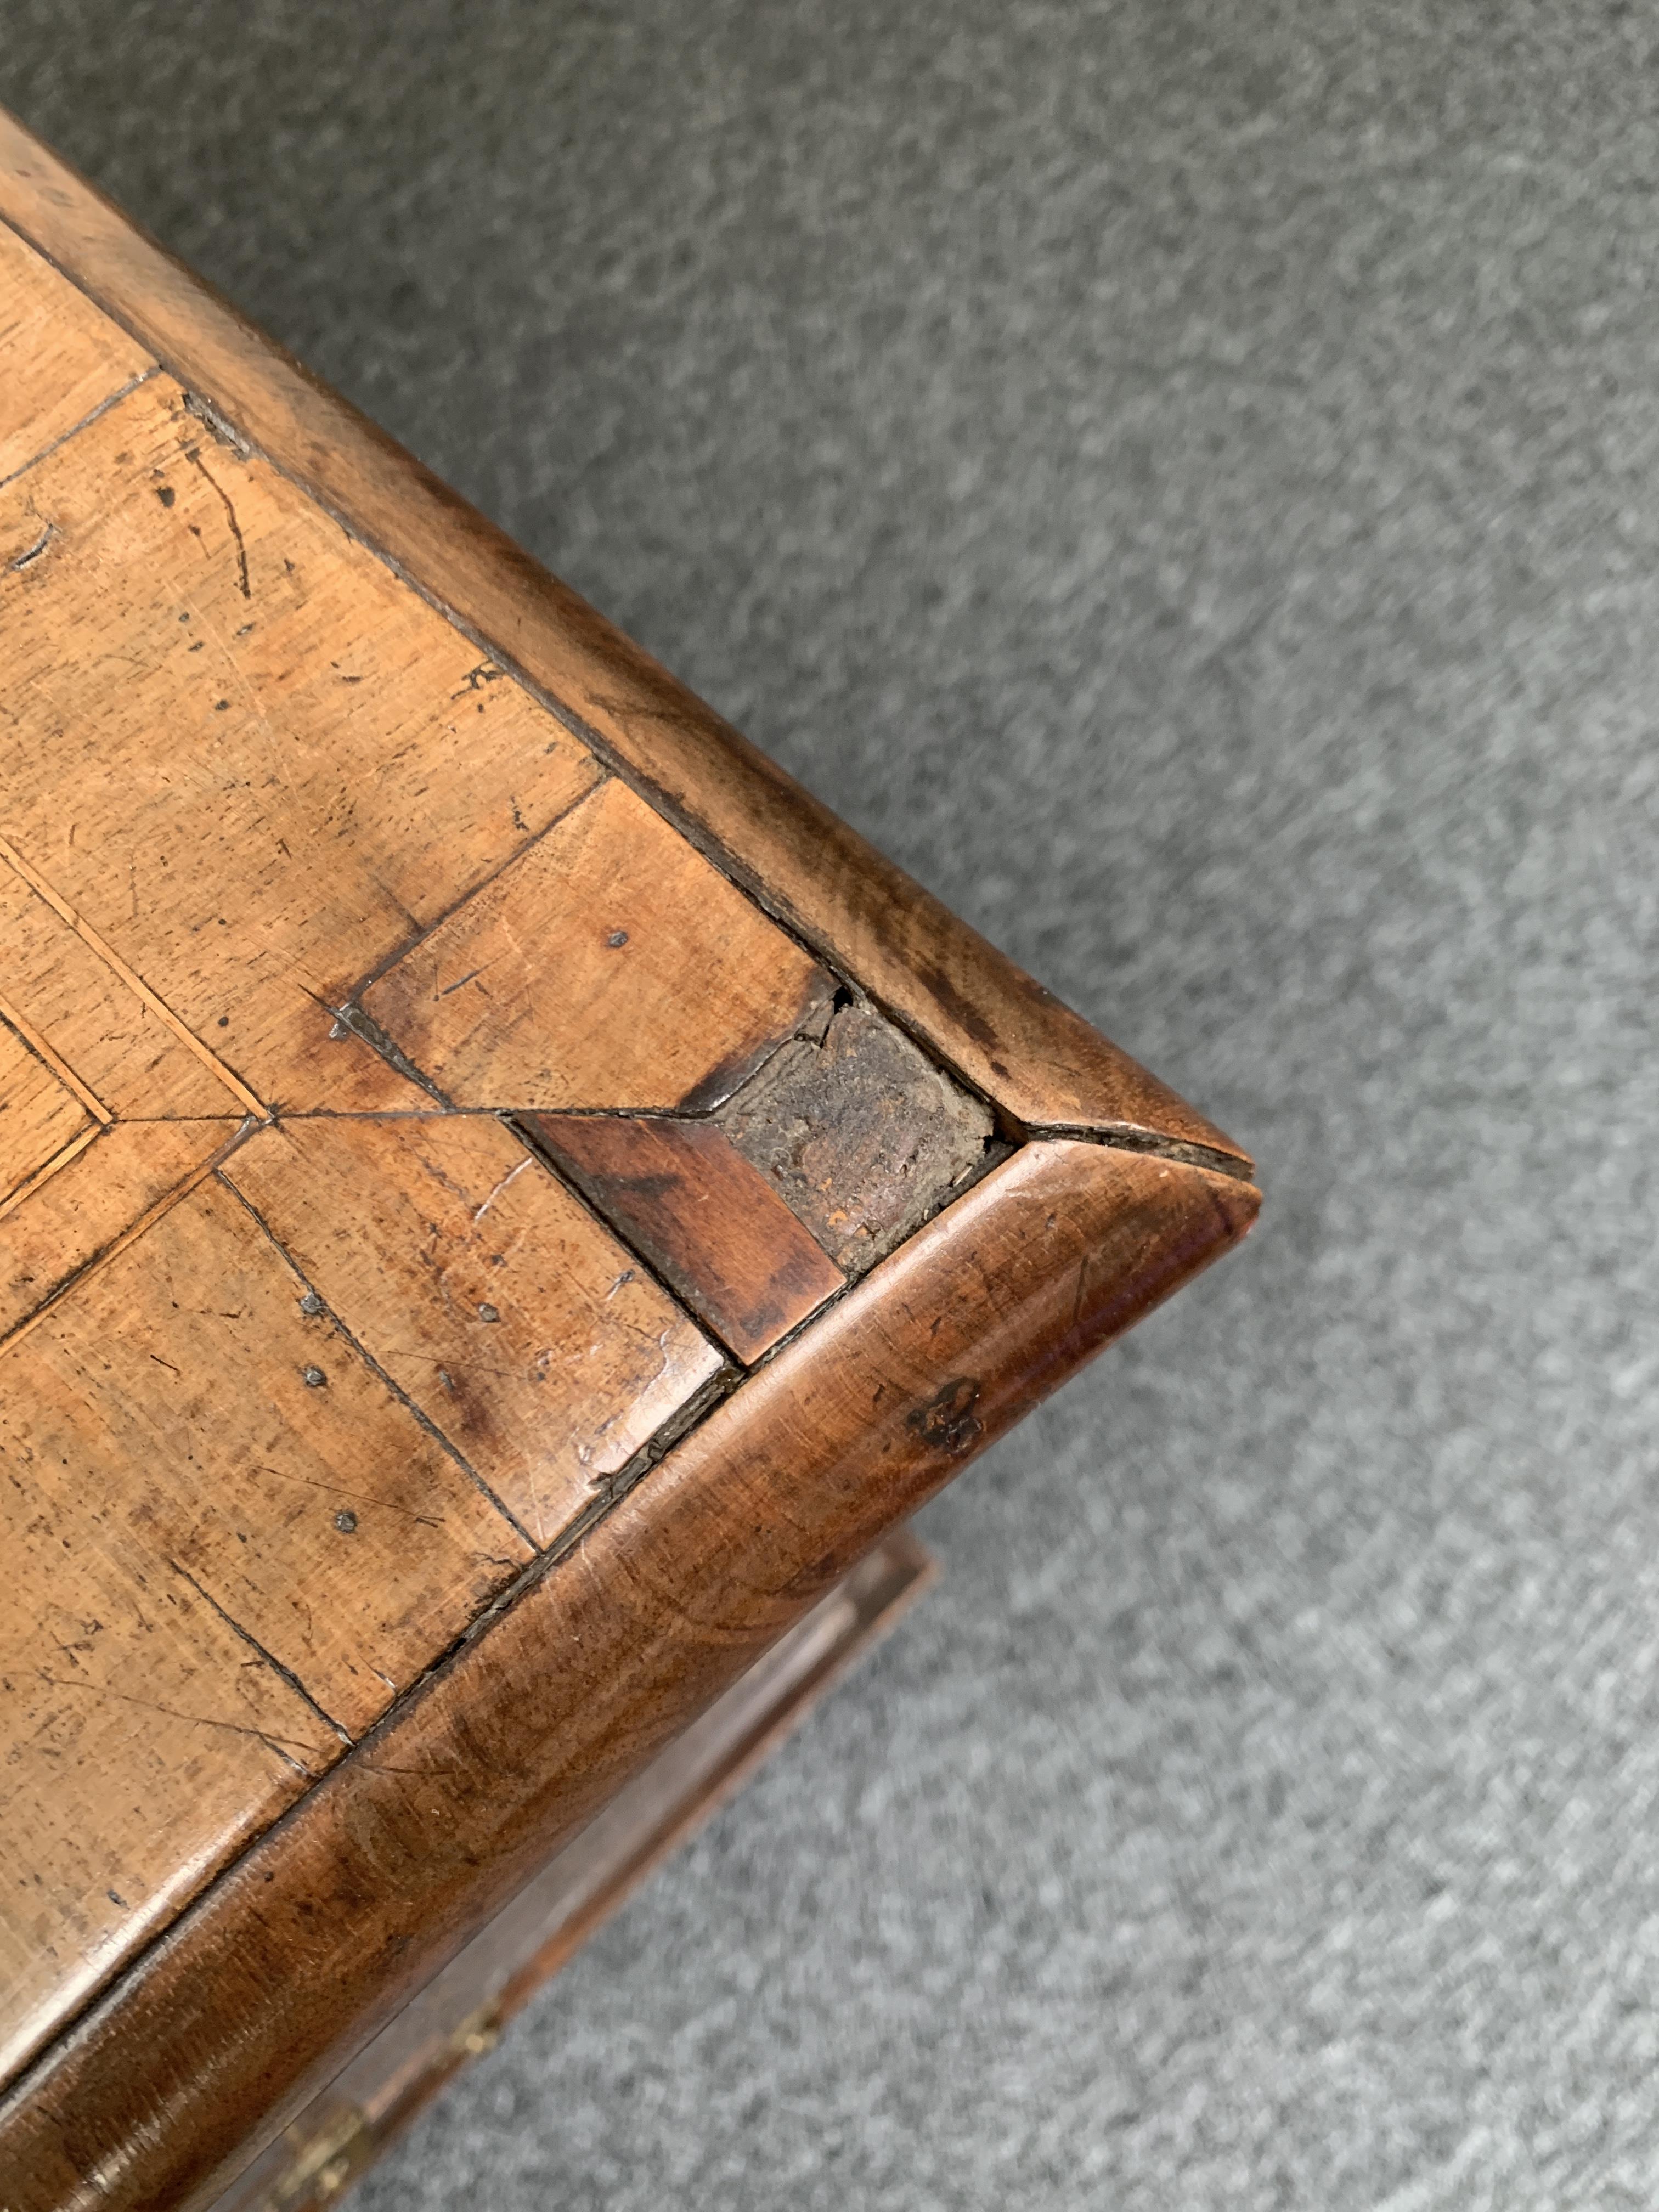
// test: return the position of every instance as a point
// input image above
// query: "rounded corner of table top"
(504, 1199)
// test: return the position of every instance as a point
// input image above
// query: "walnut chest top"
(503, 1199)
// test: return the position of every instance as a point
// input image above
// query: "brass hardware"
(479, 2032)
(323, 2163)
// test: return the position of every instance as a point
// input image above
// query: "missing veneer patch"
(860, 1132)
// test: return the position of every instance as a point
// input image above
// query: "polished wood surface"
(245, 769)
(502, 1201)
(1044, 1065)
(242, 760)
(106, 1041)
(229, 1548)
(321, 1930)
(300, 898)
(708, 1221)
(486, 1291)
(88, 1205)
(608, 966)
(40, 1121)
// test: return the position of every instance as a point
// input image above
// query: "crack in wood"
(243, 585)
(191, 1720)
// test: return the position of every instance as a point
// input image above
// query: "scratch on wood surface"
(258, 717)
(192, 1720)
(419, 1773)
(512, 1176)
(32, 553)
(349, 1006)
(362, 1497)
(134, 981)
(417, 1412)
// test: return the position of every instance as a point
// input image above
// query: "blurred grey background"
(1183, 479)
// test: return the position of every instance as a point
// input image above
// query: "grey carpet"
(1183, 479)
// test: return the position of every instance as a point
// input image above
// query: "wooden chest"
(506, 1204)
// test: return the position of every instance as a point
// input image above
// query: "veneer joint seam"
(270, 1659)
(43, 1175)
(130, 1234)
(60, 1067)
(695, 832)
(349, 1002)
(112, 959)
(418, 1414)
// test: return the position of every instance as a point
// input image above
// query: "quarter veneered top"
(379, 1183)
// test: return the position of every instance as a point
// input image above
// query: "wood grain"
(223, 1438)
(188, 1382)
(463, 2012)
(60, 359)
(260, 766)
(295, 862)
(1041, 1063)
(38, 1114)
(491, 1297)
(317, 1936)
(132, 1710)
(102, 1034)
(97, 1199)
(608, 966)
(708, 1221)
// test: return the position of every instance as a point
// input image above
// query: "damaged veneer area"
(429, 1096)
(841, 1146)
(610, 967)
